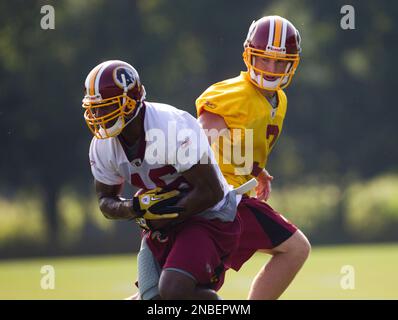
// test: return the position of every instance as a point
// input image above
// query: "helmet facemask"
(106, 118)
(258, 76)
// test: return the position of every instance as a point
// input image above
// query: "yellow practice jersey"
(243, 107)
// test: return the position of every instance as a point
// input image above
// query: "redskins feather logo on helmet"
(274, 39)
(113, 97)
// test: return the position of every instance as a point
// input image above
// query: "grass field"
(112, 277)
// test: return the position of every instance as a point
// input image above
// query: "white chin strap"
(111, 131)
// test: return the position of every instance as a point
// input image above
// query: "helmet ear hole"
(131, 106)
(128, 106)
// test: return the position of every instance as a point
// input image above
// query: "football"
(163, 223)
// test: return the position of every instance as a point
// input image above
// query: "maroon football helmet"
(272, 38)
(113, 97)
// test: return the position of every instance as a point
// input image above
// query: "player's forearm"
(117, 208)
(199, 200)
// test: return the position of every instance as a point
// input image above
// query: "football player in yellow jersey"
(255, 104)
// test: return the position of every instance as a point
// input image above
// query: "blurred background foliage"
(335, 163)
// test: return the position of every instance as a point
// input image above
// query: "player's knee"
(297, 247)
(168, 291)
(174, 291)
(174, 285)
(302, 247)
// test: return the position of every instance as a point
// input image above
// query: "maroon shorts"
(262, 228)
(198, 248)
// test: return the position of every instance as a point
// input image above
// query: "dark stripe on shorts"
(275, 231)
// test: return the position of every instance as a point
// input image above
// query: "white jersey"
(171, 143)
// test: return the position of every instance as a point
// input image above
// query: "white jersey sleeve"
(102, 167)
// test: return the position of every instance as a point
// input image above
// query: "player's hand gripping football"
(263, 189)
(156, 204)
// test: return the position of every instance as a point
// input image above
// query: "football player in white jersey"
(184, 203)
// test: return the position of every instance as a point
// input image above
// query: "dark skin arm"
(111, 204)
(207, 190)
